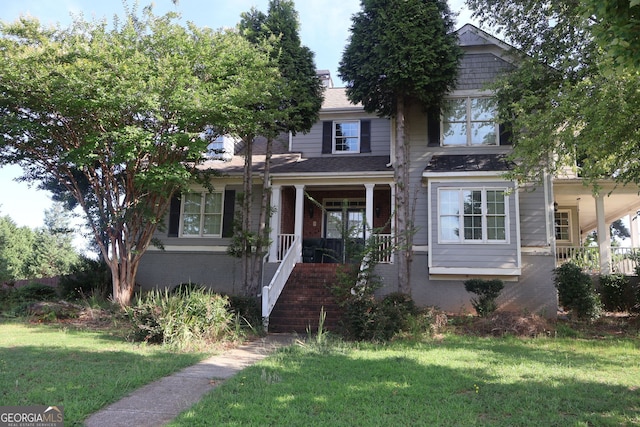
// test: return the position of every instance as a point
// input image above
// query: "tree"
(401, 53)
(124, 108)
(299, 97)
(569, 104)
(15, 249)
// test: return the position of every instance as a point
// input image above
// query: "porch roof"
(335, 164)
(468, 163)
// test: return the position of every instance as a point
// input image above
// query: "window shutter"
(227, 215)
(327, 137)
(174, 216)
(506, 137)
(365, 136)
(433, 127)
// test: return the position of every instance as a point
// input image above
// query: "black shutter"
(365, 136)
(433, 127)
(174, 216)
(227, 215)
(506, 137)
(327, 137)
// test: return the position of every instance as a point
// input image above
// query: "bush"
(33, 292)
(487, 291)
(615, 292)
(248, 309)
(576, 292)
(90, 277)
(180, 320)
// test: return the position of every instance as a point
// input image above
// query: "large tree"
(401, 53)
(569, 103)
(298, 101)
(115, 113)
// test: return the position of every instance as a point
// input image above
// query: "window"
(472, 215)
(563, 226)
(202, 214)
(469, 121)
(346, 137)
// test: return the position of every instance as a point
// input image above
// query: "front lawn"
(452, 381)
(80, 370)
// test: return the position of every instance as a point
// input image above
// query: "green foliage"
(33, 292)
(576, 292)
(487, 292)
(181, 320)
(88, 278)
(616, 292)
(247, 310)
(400, 49)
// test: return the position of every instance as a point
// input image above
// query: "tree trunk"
(263, 233)
(247, 247)
(404, 229)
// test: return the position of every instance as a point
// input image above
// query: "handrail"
(623, 259)
(271, 292)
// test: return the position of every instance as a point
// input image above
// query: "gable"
(476, 70)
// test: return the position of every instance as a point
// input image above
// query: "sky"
(324, 28)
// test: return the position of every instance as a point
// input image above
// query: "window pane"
(472, 202)
(191, 224)
(347, 136)
(449, 203)
(455, 110)
(192, 203)
(212, 224)
(483, 133)
(495, 202)
(454, 133)
(496, 228)
(450, 228)
(483, 109)
(472, 227)
(334, 225)
(213, 203)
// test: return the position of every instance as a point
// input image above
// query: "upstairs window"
(472, 215)
(202, 214)
(469, 122)
(346, 136)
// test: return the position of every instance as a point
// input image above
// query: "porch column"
(274, 223)
(604, 237)
(299, 218)
(369, 209)
(633, 229)
(393, 222)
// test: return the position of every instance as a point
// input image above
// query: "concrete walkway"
(158, 403)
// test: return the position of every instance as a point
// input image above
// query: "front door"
(344, 233)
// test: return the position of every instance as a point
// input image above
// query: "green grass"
(456, 381)
(83, 371)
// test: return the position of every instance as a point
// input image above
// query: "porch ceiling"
(619, 200)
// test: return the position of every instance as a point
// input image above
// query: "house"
(470, 221)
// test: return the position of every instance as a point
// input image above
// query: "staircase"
(307, 291)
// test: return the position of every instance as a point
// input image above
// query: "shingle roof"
(336, 98)
(468, 163)
(340, 164)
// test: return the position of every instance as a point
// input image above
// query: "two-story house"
(338, 178)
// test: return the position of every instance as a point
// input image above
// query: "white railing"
(623, 260)
(271, 292)
(285, 241)
(385, 248)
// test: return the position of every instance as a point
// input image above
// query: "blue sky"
(324, 28)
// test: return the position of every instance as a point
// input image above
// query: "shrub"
(33, 292)
(615, 289)
(248, 309)
(487, 292)
(180, 320)
(576, 292)
(90, 277)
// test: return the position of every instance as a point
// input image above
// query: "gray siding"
(310, 144)
(478, 69)
(533, 211)
(472, 255)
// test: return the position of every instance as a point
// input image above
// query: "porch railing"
(271, 292)
(384, 251)
(285, 241)
(623, 260)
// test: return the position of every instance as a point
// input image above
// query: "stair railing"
(272, 291)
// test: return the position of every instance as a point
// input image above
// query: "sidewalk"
(158, 403)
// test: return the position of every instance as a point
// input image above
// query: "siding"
(310, 144)
(533, 224)
(476, 70)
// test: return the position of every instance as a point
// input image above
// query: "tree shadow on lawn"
(78, 378)
(315, 389)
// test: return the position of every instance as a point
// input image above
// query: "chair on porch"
(312, 249)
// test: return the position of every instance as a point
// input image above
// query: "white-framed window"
(202, 214)
(473, 215)
(563, 225)
(346, 136)
(469, 121)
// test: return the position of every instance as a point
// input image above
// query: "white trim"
(569, 225)
(468, 123)
(202, 194)
(536, 250)
(193, 248)
(484, 175)
(476, 271)
(333, 137)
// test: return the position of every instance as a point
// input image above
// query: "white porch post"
(299, 218)
(633, 230)
(393, 222)
(604, 237)
(369, 209)
(274, 223)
